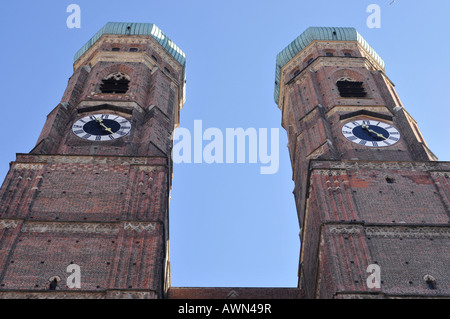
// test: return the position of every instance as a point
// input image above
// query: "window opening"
(117, 83)
(351, 89)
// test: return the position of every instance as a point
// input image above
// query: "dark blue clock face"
(372, 133)
(93, 127)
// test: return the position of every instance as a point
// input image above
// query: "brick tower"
(368, 190)
(94, 192)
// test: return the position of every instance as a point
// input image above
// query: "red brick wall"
(109, 256)
(105, 214)
(232, 293)
(85, 190)
(355, 218)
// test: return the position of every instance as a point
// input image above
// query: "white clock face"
(371, 133)
(101, 127)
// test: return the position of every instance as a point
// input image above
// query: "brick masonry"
(355, 217)
(360, 205)
(105, 207)
(102, 206)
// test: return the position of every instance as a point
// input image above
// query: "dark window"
(351, 89)
(390, 180)
(431, 282)
(310, 61)
(347, 54)
(115, 49)
(117, 83)
(154, 58)
(329, 53)
(53, 284)
(167, 70)
(296, 72)
(134, 50)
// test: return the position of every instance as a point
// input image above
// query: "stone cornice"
(109, 294)
(128, 39)
(31, 161)
(436, 168)
(107, 228)
(390, 231)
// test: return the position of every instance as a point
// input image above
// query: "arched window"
(431, 281)
(117, 83)
(350, 88)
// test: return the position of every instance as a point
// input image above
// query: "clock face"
(101, 127)
(372, 133)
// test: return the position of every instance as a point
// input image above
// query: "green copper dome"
(125, 28)
(319, 33)
(149, 29)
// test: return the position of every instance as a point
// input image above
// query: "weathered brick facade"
(100, 205)
(360, 205)
(104, 205)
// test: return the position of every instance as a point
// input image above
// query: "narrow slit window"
(115, 49)
(351, 89)
(134, 49)
(116, 83)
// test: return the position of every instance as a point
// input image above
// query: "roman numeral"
(346, 132)
(105, 116)
(111, 137)
(98, 138)
(78, 132)
(366, 122)
(395, 139)
(87, 136)
(374, 143)
(77, 126)
(352, 138)
(363, 142)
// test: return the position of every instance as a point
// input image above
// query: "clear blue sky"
(229, 225)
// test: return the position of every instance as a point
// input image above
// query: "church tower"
(85, 213)
(372, 201)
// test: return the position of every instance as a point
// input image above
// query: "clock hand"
(107, 129)
(378, 134)
(366, 127)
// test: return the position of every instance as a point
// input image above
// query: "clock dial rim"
(369, 139)
(124, 127)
